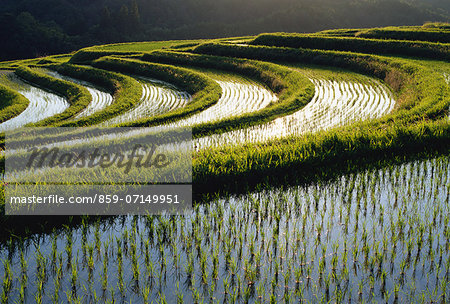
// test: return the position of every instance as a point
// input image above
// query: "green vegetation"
(397, 73)
(145, 46)
(13, 64)
(88, 55)
(11, 103)
(387, 227)
(128, 49)
(294, 90)
(76, 95)
(348, 208)
(323, 149)
(420, 92)
(431, 32)
(126, 92)
(67, 26)
(431, 35)
(368, 46)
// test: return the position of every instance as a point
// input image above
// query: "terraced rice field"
(380, 235)
(338, 100)
(42, 105)
(239, 96)
(158, 97)
(358, 215)
(100, 99)
(335, 103)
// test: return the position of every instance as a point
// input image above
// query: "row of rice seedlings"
(100, 99)
(158, 97)
(42, 104)
(335, 103)
(239, 96)
(380, 235)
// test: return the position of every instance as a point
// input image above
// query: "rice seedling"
(105, 274)
(74, 277)
(69, 246)
(120, 283)
(7, 281)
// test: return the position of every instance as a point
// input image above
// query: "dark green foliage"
(369, 46)
(77, 96)
(32, 28)
(11, 103)
(442, 36)
(23, 36)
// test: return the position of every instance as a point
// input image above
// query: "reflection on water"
(42, 105)
(380, 235)
(158, 97)
(335, 103)
(100, 99)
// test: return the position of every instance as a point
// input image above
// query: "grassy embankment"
(11, 103)
(423, 49)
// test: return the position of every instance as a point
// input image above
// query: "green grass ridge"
(431, 35)
(12, 103)
(421, 49)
